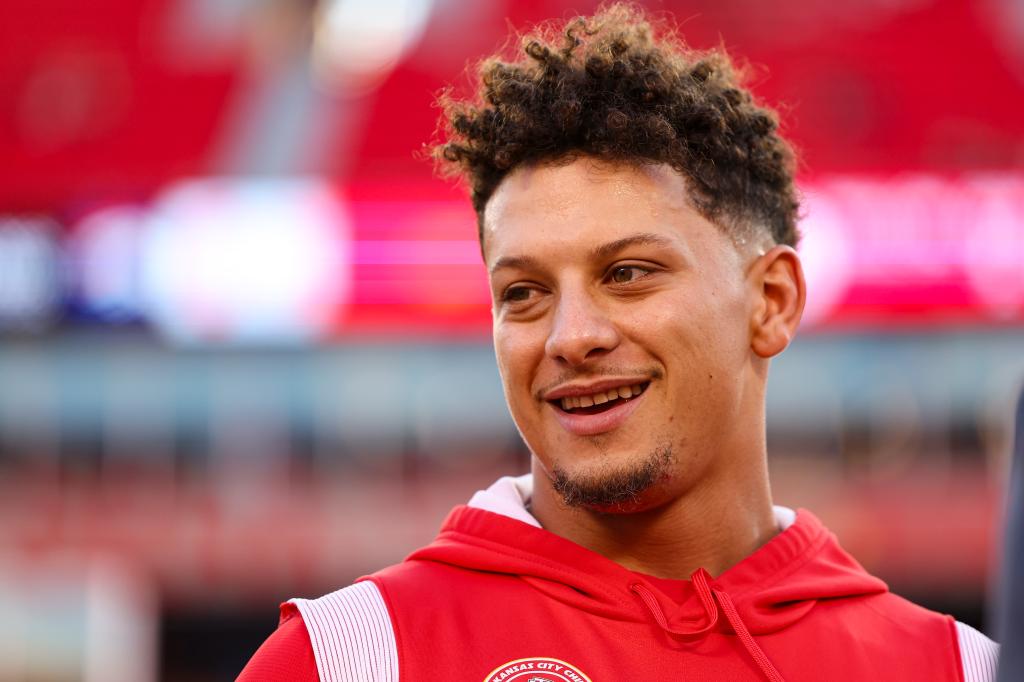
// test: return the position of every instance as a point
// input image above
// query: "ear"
(777, 281)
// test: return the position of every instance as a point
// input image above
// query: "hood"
(771, 589)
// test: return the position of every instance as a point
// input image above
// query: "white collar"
(509, 496)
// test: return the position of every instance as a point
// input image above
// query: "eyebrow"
(641, 239)
(600, 252)
(519, 262)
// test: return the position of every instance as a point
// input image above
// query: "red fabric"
(286, 656)
(492, 590)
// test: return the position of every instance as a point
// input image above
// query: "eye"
(518, 297)
(624, 274)
(516, 294)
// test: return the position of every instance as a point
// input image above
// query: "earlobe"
(778, 281)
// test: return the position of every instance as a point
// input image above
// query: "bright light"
(105, 260)
(246, 261)
(358, 42)
(30, 283)
(995, 247)
(825, 252)
(916, 242)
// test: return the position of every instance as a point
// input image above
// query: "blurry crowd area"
(244, 329)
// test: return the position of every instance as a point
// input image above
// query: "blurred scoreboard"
(300, 260)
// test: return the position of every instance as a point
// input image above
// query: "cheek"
(516, 351)
(721, 313)
(719, 362)
(703, 338)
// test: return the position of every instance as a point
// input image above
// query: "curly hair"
(607, 87)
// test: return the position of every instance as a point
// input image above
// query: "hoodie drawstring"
(708, 596)
(733, 616)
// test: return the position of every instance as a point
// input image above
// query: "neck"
(714, 524)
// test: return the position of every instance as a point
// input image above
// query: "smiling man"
(637, 219)
(632, 335)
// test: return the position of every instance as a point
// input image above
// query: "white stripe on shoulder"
(351, 634)
(979, 654)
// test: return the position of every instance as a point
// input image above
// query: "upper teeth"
(574, 401)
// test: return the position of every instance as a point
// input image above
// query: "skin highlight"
(606, 271)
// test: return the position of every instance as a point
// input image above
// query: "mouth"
(600, 401)
(598, 412)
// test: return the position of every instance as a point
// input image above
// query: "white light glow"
(359, 41)
(105, 260)
(825, 254)
(253, 261)
(30, 283)
(994, 247)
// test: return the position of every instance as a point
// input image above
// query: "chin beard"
(613, 488)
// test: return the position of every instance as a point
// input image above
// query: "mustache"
(640, 375)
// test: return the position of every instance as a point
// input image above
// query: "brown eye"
(513, 294)
(626, 274)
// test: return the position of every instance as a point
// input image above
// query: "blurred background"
(244, 332)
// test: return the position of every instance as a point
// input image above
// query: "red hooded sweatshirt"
(495, 599)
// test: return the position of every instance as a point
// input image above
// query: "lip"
(590, 389)
(602, 422)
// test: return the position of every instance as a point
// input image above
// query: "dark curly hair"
(607, 87)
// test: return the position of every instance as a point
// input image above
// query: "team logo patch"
(536, 670)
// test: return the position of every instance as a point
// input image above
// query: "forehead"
(587, 200)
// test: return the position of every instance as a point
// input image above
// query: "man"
(637, 219)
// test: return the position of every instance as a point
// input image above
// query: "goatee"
(613, 488)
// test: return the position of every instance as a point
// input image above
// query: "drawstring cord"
(708, 597)
(733, 616)
(655, 609)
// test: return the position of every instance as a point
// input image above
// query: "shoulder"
(344, 636)
(979, 655)
(351, 635)
(921, 635)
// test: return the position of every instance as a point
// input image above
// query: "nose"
(580, 331)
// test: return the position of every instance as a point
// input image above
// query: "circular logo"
(536, 670)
